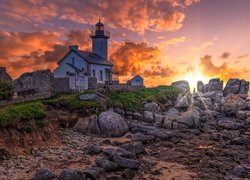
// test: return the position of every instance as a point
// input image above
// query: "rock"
(236, 86)
(40, 81)
(203, 103)
(134, 147)
(160, 134)
(182, 85)
(88, 125)
(229, 124)
(200, 86)
(93, 173)
(95, 149)
(106, 164)
(128, 174)
(181, 101)
(170, 116)
(112, 124)
(239, 171)
(241, 141)
(231, 104)
(69, 174)
(126, 162)
(122, 152)
(148, 116)
(87, 97)
(142, 137)
(114, 177)
(243, 114)
(44, 174)
(152, 107)
(215, 84)
(159, 120)
(140, 128)
(190, 118)
(137, 116)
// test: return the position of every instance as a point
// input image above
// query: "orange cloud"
(204, 45)
(223, 71)
(225, 55)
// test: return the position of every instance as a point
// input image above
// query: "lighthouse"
(100, 40)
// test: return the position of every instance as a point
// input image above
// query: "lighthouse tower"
(100, 40)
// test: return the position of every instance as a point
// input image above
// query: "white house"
(136, 81)
(82, 63)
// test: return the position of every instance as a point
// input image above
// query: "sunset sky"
(162, 40)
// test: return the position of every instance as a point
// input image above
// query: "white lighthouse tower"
(100, 40)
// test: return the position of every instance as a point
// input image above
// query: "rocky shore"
(204, 135)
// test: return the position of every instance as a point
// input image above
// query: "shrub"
(6, 90)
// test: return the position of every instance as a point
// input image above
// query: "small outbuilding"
(136, 81)
(4, 75)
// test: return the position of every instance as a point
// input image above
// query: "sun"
(193, 78)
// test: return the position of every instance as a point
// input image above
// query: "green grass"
(71, 101)
(133, 100)
(29, 110)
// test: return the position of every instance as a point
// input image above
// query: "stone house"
(136, 81)
(4, 75)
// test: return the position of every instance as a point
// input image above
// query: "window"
(73, 60)
(93, 73)
(137, 82)
(101, 75)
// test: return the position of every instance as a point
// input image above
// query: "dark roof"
(4, 75)
(89, 57)
(136, 77)
(76, 69)
(99, 24)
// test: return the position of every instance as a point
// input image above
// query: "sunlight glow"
(193, 77)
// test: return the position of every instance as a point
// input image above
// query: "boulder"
(148, 116)
(126, 162)
(34, 82)
(231, 104)
(88, 125)
(190, 118)
(182, 85)
(159, 119)
(134, 147)
(69, 174)
(93, 173)
(137, 116)
(215, 84)
(241, 141)
(142, 137)
(170, 116)
(161, 134)
(44, 174)
(106, 164)
(112, 124)
(181, 101)
(243, 114)
(236, 86)
(140, 128)
(152, 107)
(200, 86)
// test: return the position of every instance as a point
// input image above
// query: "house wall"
(97, 69)
(63, 68)
(137, 81)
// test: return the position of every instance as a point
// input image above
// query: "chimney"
(74, 47)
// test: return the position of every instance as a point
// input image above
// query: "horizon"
(163, 41)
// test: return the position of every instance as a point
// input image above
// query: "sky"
(161, 40)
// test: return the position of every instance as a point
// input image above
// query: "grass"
(71, 101)
(133, 100)
(29, 110)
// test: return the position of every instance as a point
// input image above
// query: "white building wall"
(137, 81)
(63, 68)
(97, 69)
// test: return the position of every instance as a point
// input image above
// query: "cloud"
(204, 45)
(243, 56)
(132, 58)
(225, 55)
(224, 71)
(171, 42)
(138, 16)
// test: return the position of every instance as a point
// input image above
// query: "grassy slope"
(133, 100)
(127, 100)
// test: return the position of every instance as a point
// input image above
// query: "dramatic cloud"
(171, 42)
(139, 15)
(131, 59)
(225, 55)
(223, 71)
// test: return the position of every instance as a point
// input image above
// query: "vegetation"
(71, 101)
(28, 110)
(133, 100)
(6, 90)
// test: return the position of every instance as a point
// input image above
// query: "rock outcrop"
(236, 86)
(182, 85)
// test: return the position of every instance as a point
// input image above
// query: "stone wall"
(61, 85)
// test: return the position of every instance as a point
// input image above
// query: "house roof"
(136, 77)
(89, 57)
